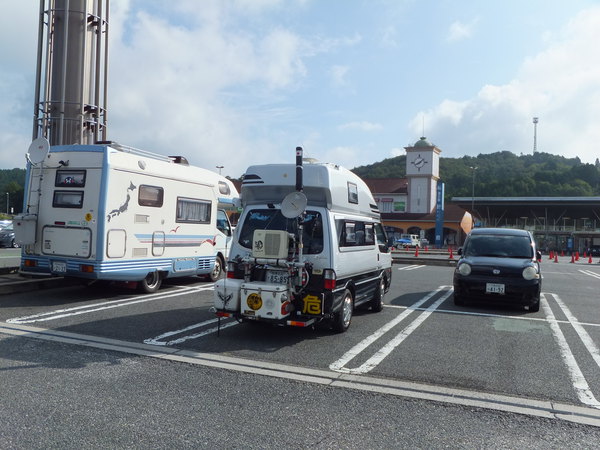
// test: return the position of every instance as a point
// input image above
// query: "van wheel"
(217, 271)
(151, 283)
(377, 301)
(342, 318)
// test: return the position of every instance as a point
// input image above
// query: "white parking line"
(590, 273)
(338, 365)
(412, 267)
(86, 309)
(579, 382)
(583, 335)
(159, 340)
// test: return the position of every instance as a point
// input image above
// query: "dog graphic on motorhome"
(124, 206)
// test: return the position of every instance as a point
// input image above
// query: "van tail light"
(231, 267)
(329, 279)
(29, 263)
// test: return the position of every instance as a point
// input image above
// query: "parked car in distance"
(407, 240)
(499, 265)
(595, 250)
(7, 236)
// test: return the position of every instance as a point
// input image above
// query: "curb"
(425, 261)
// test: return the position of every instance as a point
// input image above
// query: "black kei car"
(499, 265)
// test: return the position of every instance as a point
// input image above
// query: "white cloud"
(338, 75)
(560, 85)
(361, 126)
(459, 30)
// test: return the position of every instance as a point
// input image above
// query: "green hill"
(503, 174)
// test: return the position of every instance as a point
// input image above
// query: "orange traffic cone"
(451, 255)
(416, 252)
(556, 257)
(576, 256)
(572, 257)
(562, 253)
(551, 255)
(590, 260)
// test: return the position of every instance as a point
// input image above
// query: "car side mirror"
(459, 251)
(538, 255)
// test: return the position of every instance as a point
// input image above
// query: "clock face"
(419, 162)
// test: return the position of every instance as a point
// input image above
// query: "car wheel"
(536, 306)
(217, 271)
(342, 318)
(458, 300)
(13, 244)
(377, 301)
(151, 283)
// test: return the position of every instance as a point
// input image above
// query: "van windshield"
(272, 219)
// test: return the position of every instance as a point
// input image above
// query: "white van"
(111, 212)
(305, 251)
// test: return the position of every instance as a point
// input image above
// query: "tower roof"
(423, 142)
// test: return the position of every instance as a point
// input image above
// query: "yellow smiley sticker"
(88, 217)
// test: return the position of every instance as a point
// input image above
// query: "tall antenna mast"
(535, 122)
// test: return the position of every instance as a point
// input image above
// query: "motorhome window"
(70, 178)
(223, 223)
(224, 188)
(67, 199)
(150, 196)
(352, 193)
(272, 219)
(191, 210)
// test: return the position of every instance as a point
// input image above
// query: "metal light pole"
(473, 168)
(7, 201)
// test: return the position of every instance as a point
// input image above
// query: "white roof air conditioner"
(270, 244)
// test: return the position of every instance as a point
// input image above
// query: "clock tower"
(422, 173)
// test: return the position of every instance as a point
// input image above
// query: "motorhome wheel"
(151, 283)
(217, 271)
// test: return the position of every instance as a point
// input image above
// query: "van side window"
(191, 210)
(150, 196)
(381, 238)
(354, 233)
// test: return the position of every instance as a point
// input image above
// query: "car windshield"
(500, 246)
(272, 219)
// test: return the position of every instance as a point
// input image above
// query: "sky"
(239, 82)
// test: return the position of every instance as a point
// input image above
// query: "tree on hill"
(503, 174)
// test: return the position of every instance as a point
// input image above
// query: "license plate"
(277, 277)
(59, 266)
(494, 288)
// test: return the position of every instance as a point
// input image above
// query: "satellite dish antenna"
(38, 150)
(293, 204)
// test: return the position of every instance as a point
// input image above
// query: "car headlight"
(464, 269)
(530, 273)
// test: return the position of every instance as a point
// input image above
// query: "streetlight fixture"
(473, 168)
(220, 167)
(7, 202)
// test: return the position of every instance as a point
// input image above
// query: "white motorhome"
(111, 212)
(307, 248)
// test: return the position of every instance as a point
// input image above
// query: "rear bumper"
(521, 292)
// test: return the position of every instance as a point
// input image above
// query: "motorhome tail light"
(61, 224)
(329, 279)
(86, 268)
(222, 314)
(29, 263)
